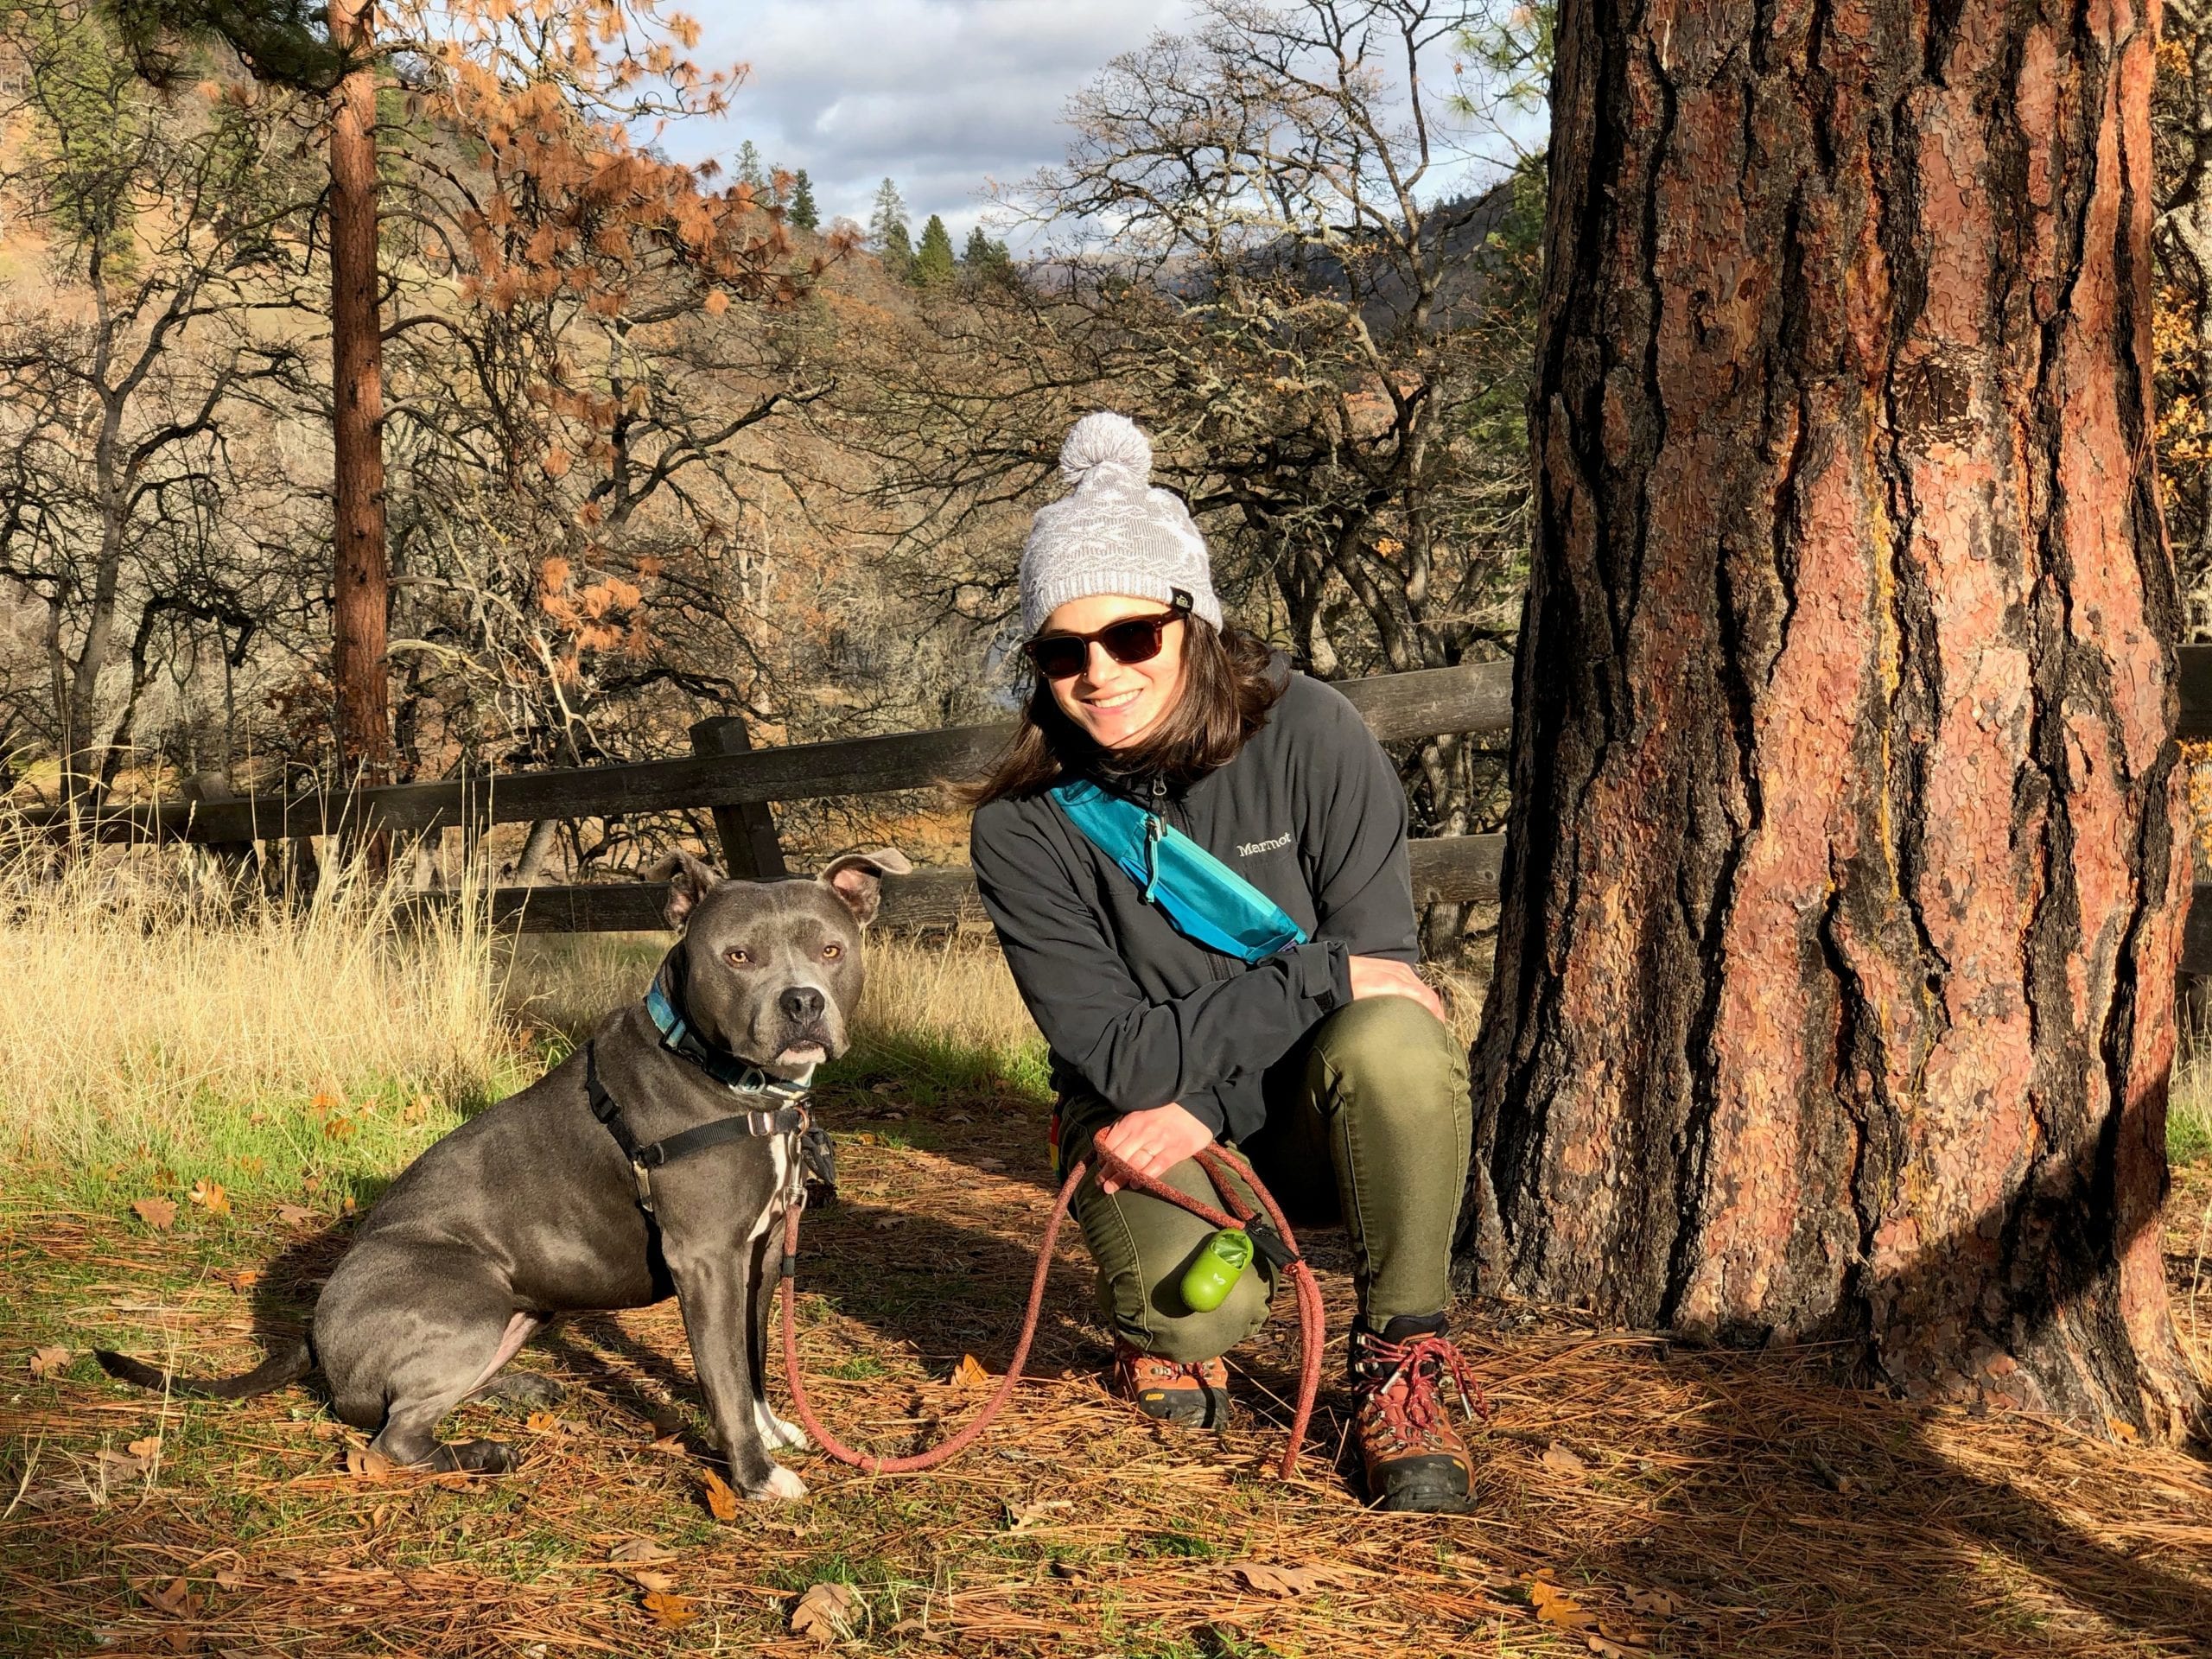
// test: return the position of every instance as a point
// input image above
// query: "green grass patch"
(317, 1149)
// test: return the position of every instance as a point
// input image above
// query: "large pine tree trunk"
(359, 666)
(1848, 855)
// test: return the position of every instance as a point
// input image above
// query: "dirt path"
(1633, 1499)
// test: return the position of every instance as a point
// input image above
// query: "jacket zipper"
(1155, 828)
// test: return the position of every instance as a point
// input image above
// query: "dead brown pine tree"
(1847, 853)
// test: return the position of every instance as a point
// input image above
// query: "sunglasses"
(1132, 639)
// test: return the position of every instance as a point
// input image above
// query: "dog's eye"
(737, 957)
(831, 952)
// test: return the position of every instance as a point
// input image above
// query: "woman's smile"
(1116, 704)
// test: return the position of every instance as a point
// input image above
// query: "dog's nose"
(801, 1004)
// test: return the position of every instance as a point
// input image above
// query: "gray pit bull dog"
(531, 1209)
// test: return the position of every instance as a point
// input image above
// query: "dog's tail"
(285, 1365)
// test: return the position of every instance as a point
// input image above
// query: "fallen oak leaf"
(364, 1463)
(294, 1215)
(1559, 1460)
(176, 1599)
(1018, 1515)
(640, 1549)
(1612, 1644)
(826, 1613)
(1656, 1604)
(543, 1422)
(160, 1214)
(209, 1196)
(671, 1610)
(970, 1373)
(45, 1361)
(117, 1466)
(146, 1448)
(1267, 1580)
(721, 1502)
(1557, 1608)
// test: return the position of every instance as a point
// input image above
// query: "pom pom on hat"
(1112, 533)
(1104, 440)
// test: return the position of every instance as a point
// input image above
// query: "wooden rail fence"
(739, 783)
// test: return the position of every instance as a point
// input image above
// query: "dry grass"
(145, 999)
(2189, 1109)
(952, 992)
(1696, 1503)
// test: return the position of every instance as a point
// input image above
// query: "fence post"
(748, 830)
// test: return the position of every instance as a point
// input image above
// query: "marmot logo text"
(1246, 848)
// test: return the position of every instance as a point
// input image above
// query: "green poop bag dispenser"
(1221, 1260)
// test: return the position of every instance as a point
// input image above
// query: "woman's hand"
(1380, 976)
(1152, 1142)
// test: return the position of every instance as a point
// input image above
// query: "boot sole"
(1432, 1485)
(1185, 1408)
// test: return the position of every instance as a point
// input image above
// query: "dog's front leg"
(712, 1290)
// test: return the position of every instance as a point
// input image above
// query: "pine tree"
(985, 257)
(886, 230)
(804, 213)
(933, 264)
(748, 168)
(896, 250)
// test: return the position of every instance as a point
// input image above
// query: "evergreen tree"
(287, 42)
(984, 257)
(748, 168)
(886, 230)
(804, 213)
(896, 251)
(933, 263)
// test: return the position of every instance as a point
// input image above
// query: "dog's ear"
(690, 880)
(857, 878)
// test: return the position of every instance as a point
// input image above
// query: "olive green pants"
(1368, 1121)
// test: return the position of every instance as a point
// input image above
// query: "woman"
(1328, 1063)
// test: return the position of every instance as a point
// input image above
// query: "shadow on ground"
(1696, 1502)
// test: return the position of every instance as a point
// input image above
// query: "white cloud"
(941, 95)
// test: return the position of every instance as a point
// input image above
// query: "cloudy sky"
(941, 95)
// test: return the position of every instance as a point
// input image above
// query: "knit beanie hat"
(1112, 533)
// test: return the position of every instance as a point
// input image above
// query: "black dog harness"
(791, 1117)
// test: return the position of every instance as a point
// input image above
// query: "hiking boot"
(1413, 1457)
(1194, 1396)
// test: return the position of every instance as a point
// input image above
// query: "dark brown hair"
(1229, 686)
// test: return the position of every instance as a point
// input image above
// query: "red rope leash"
(1219, 1163)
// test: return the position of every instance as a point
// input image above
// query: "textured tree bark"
(1847, 858)
(360, 668)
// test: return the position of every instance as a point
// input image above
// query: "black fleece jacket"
(1311, 812)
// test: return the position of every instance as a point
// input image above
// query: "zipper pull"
(1155, 828)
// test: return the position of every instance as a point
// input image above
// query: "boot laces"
(1403, 1378)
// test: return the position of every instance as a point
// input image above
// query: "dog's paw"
(781, 1487)
(777, 1434)
(532, 1389)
